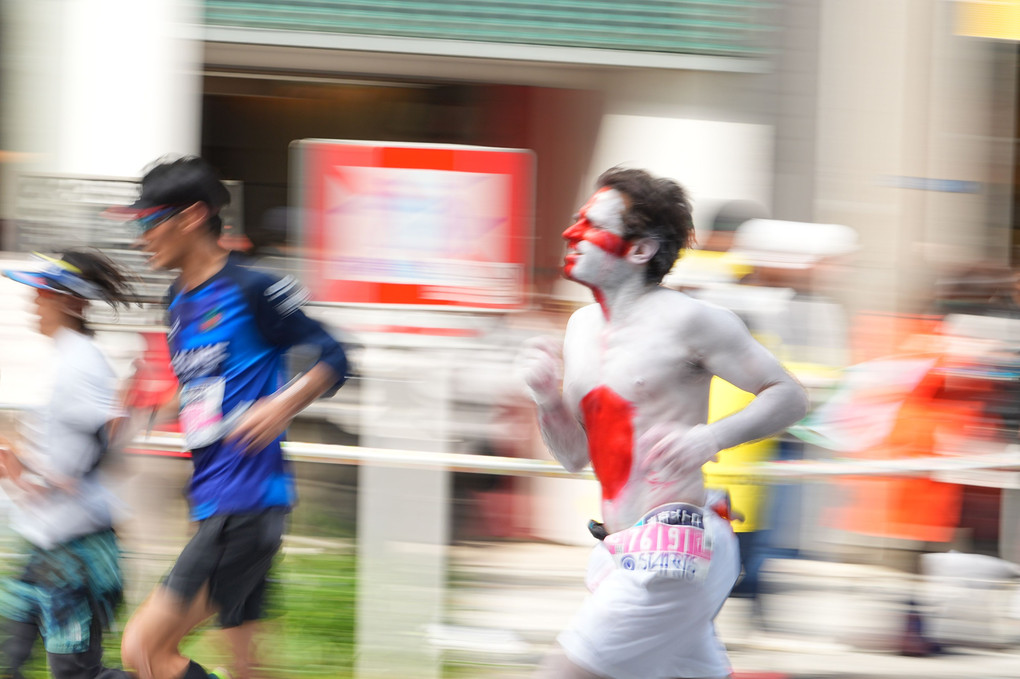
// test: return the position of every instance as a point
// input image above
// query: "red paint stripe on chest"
(608, 419)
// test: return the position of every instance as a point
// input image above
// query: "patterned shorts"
(60, 589)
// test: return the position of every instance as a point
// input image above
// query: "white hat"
(791, 245)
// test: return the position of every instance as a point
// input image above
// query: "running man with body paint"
(629, 394)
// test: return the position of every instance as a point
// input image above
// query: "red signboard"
(415, 224)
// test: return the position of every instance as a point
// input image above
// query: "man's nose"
(575, 231)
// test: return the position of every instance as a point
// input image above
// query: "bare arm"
(730, 353)
(542, 368)
(16, 475)
(271, 416)
(564, 436)
(169, 411)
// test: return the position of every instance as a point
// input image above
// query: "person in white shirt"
(628, 392)
(70, 583)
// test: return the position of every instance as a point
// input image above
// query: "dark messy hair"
(182, 182)
(657, 208)
(114, 287)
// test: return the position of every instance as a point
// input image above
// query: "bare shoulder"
(692, 314)
(704, 328)
(584, 318)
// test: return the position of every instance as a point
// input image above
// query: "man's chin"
(567, 275)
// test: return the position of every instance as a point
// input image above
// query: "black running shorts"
(232, 553)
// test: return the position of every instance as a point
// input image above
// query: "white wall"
(715, 161)
(711, 132)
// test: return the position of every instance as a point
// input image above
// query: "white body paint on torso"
(637, 367)
(653, 363)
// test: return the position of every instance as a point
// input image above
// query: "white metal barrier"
(1007, 458)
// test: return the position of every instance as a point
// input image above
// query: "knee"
(149, 643)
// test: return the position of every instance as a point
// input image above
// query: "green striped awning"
(729, 28)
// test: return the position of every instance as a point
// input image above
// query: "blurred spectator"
(981, 289)
(152, 385)
(500, 506)
(711, 263)
(774, 267)
(982, 367)
(810, 327)
(495, 506)
(936, 384)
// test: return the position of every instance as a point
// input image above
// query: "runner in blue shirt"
(229, 329)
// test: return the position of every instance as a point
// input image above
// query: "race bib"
(202, 411)
(681, 548)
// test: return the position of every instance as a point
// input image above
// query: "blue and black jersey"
(228, 338)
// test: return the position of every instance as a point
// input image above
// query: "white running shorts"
(640, 624)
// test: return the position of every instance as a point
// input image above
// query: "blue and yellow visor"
(58, 276)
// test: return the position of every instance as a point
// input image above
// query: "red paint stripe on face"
(600, 238)
(609, 421)
(607, 241)
(597, 233)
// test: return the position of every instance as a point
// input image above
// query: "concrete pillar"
(906, 144)
(403, 525)
(97, 87)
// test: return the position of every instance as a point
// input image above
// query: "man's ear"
(642, 250)
(194, 216)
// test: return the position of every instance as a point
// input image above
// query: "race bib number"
(202, 411)
(683, 552)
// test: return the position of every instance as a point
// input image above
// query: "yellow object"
(698, 267)
(999, 19)
(66, 266)
(746, 498)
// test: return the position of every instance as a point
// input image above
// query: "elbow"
(801, 404)
(577, 460)
(336, 361)
(570, 461)
(789, 402)
(573, 466)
